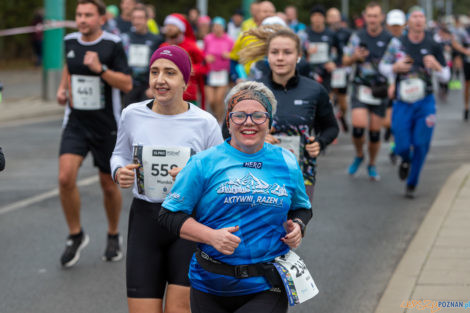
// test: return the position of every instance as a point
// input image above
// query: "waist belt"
(267, 270)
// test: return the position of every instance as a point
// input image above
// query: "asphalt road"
(359, 233)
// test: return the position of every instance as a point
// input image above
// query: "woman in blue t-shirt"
(244, 202)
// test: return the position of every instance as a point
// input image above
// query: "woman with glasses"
(244, 202)
(304, 122)
(155, 139)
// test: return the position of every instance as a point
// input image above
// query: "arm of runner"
(326, 126)
(123, 150)
(115, 79)
(125, 176)
(313, 148)
(63, 87)
(293, 236)
(457, 46)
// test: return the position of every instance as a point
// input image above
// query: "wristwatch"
(104, 68)
(302, 225)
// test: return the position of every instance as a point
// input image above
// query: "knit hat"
(219, 20)
(176, 55)
(413, 9)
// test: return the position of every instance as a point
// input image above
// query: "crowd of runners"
(217, 126)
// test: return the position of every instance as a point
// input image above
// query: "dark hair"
(318, 9)
(98, 3)
(141, 7)
(373, 4)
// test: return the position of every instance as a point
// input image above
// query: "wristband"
(301, 224)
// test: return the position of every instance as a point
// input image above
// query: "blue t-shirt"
(225, 187)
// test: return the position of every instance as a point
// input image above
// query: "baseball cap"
(396, 17)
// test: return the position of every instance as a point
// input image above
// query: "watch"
(104, 68)
(301, 224)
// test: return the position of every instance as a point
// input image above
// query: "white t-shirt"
(139, 125)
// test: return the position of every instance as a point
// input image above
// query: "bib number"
(86, 92)
(338, 78)
(412, 90)
(321, 56)
(291, 143)
(218, 78)
(364, 95)
(153, 177)
(139, 55)
(296, 278)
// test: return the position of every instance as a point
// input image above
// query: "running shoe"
(455, 84)
(392, 155)
(355, 165)
(113, 248)
(403, 170)
(73, 246)
(410, 192)
(373, 175)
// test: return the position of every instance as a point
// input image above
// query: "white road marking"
(43, 196)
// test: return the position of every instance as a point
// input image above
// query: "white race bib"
(364, 94)
(218, 78)
(321, 56)
(153, 178)
(291, 143)
(338, 78)
(297, 280)
(412, 90)
(139, 55)
(86, 92)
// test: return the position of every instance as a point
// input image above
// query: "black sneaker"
(73, 246)
(403, 170)
(410, 192)
(113, 248)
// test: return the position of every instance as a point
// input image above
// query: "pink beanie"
(176, 55)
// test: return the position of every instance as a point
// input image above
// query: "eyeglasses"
(240, 118)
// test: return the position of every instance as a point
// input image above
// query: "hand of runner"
(330, 66)
(313, 148)
(431, 62)
(294, 234)
(360, 54)
(174, 171)
(312, 49)
(271, 139)
(92, 60)
(125, 175)
(62, 96)
(403, 65)
(391, 91)
(224, 241)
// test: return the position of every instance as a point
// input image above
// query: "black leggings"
(265, 302)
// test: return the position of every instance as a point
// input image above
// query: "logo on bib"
(161, 153)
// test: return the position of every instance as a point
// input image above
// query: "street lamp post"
(53, 49)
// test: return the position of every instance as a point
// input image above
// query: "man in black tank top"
(368, 101)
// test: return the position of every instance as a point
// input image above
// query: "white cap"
(396, 17)
(274, 20)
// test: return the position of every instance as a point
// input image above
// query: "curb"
(28, 108)
(403, 281)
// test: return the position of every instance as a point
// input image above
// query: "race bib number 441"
(297, 280)
(153, 177)
(87, 92)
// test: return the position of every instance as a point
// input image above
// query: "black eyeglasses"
(240, 118)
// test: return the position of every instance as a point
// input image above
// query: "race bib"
(291, 143)
(412, 90)
(87, 92)
(364, 95)
(153, 177)
(338, 78)
(321, 56)
(139, 55)
(296, 278)
(218, 78)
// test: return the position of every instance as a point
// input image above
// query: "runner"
(233, 200)
(95, 73)
(292, 22)
(159, 135)
(138, 44)
(339, 79)
(217, 47)
(234, 26)
(304, 107)
(411, 60)
(178, 32)
(369, 95)
(319, 46)
(123, 21)
(2, 160)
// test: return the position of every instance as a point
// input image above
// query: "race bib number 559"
(153, 177)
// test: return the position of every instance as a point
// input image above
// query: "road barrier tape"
(38, 28)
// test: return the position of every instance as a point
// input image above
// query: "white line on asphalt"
(46, 195)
